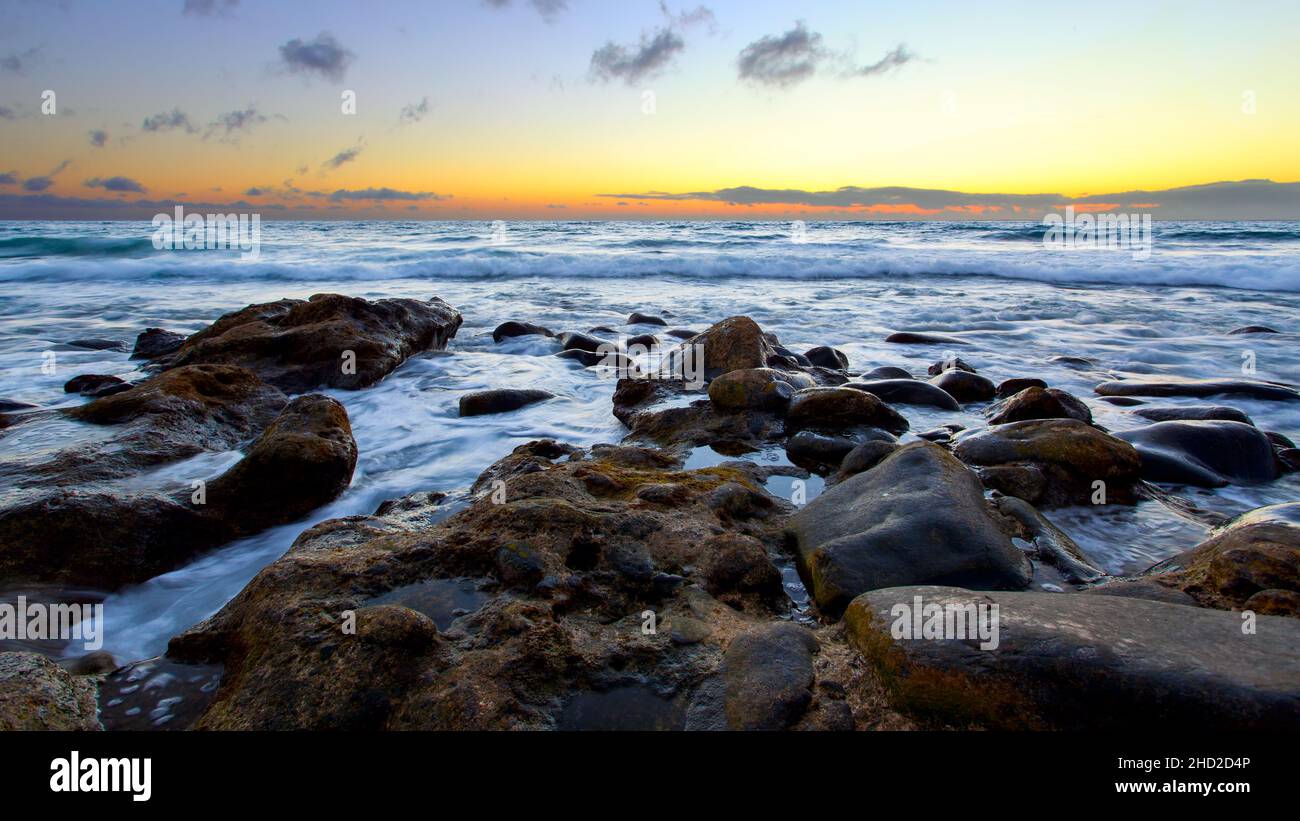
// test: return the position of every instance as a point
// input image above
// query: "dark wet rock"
(1140, 588)
(735, 567)
(827, 357)
(1122, 401)
(1172, 413)
(1274, 603)
(1039, 403)
(940, 435)
(1200, 388)
(918, 516)
(785, 357)
(1279, 440)
(156, 343)
(646, 319)
(865, 456)
(734, 344)
(1075, 362)
(1075, 662)
(1257, 551)
(1070, 455)
(840, 408)
(91, 664)
(500, 400)
(97, 344)
(512, 328)
(1023, 481)
(647, 341)
(681, 333)
(609, 359)
(518, 565)
(767, 677)
(1252, 329)
(95, 385)
(10, 405)
(1051, 544)
(572, 340)
(36, 694)
(808, 447)
(1289, 460)
(1206, 453)
(965, 386)
(603, 330)
(953, 364)
(907, 392)
(885, 372)
(912, 338)
(756, 388)
(1011, 387)
(297, 345)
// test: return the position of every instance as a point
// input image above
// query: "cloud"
(168, 121)
(700, 15)
(119, 185)
(7, 113)
(345, 156)
(1242, 199)
(98, 138)
(209, 8)
(9, 178)
(550, 10)
(18, 63)
(632, 64)
(234, 123)
(414, 112)
(383, 195)
(323, 56)
(895, 59)
(782, 61)
(43, 182)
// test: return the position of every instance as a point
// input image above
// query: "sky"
(641, 109)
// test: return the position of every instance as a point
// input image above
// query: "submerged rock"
(330, 339)
(914, 338)
(1075, 662)
(965, 386)
(512, 328)
(1193, 413)
(500, 400)
(1205, 453)
(95, 385)
(1200, 388)
(908, 392)
(639, 318)
(919, 516)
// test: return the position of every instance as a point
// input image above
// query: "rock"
(681, 333)
(806, 446)
(299, 345)
(885, 372)
(828, 358)
(908, 392)
(919, 516)
(911, 338)
(1122, 401)
(1084, 662)
(97, 344)
(734, 344)
(95, 385)
(10, 405)
(518, 565)
(1205, 454)
(1173, 413)
(156, 343)
(1079, 363)
(92, 664)
(500, 400)
(646, 319)
(1200, 388)
(1071, 456)
(767, 678)
(839, 408)
(647, 341)
(1252, 329)
(1039, 403)
(953, 364)
(1289, 460)
(610, 359)
(573, 340)
(865, 456)
(1011, 387)
(1279, 441)
(756, 389)
(737, 566)
(35, 694)
(512, 328)
(1139, 588)
(965, 386)
(1274, 603)
(1255, 552)
(1051, 544)
(1023, 481)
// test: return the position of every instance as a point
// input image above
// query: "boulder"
(1205, 454)
(827, 358)
(500, 400)
(36, 694)
(768, 677)
(328, 340)
(1038, 403)
(756, 389)
(1011, 387)
(1200, 388)
(839, 408)
(808, 447)
(734, 344)
(885, 372)
(953, 364)
(913, 338)
(96, 385)
(156, 343)
(638, 318)
(1192, 413)
(513, 328)
(919, 516)
(965, 386)
(1079, 662)
(908, 392)
(737, 566)
(1252, 329)
(574, 341)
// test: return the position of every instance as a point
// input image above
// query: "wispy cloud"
(323, 57)
(19, 62)
(345, 156)
(98, 138)
(229, 127)
(168, 121)
(383, 195)
(782, 61)
(9, 178)
(895, 59)
(632, 64)
(550, 10)
(209, 8)
(121, 185)
(46, 180)
(413, 112)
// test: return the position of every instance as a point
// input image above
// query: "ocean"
(1019, 305)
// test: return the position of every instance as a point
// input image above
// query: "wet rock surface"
(36, 694)
(1200, 388)
(156, 343)
(1203, 453)
(907, 392)
(1038, 403)
(500, 400)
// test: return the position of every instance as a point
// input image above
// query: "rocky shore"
(623, 585)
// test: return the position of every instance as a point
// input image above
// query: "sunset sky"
(571, 109)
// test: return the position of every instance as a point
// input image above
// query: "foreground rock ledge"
(1094, 662)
